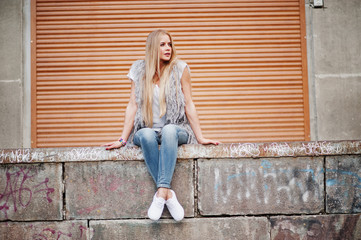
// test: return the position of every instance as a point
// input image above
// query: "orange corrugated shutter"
(247, 59)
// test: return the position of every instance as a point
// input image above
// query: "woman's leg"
(171, 137)
(147, 139)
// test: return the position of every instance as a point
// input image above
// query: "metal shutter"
(247, 60)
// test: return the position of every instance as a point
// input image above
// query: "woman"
(161, 111)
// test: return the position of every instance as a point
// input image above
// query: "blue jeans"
(161, 161)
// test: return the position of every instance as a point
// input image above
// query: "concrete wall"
(11, 73)
(308, 190)
(334, 62)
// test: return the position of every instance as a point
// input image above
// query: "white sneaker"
(174, 207)
(156, 208)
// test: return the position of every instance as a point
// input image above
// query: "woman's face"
(165, 48)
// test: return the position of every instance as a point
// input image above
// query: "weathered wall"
(303, 190)
(11, 80)
(334, 61)
(333, 48)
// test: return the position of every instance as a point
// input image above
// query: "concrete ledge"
(316, 227)
(238, 150)
(197, 228)
(44, 230)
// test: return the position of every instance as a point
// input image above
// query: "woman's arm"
(191, 111)
(128, 121)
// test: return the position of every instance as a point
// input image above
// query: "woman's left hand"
(206, 141)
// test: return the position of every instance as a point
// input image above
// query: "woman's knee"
(169, 130)
(169, 133)
(144, 136)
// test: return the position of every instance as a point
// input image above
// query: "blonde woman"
(161, 112)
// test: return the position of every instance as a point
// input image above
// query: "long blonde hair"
(152, 67)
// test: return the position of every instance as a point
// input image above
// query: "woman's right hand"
(113, 145)
(128, 121)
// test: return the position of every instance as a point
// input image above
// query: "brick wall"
(298, 190)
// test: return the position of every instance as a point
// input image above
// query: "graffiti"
(291, 149)
(18, 194)
(311, 149)
(127, 153)
(337, 182)
(91, 199)
(280, 149)
(343, 184)
(26, 156)
(83, 154)
(244, 150)
(233, 150)
(315, 227)
(88, 210)
(16, 156)
(52, 232)
(69, 155)
(268, 182)
(45, 233)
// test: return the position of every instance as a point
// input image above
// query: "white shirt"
(158, 122)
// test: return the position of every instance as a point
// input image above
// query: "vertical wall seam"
(25, 74)
(311, 76)
(269, 227)
(22, 115)
(195, 182)
(324, 186)
(64, 192)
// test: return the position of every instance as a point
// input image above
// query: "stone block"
(326, 227)
(260, 186)
(343, 184)
(125, 189)
(197, 228)
(31, 192)
(44, 230)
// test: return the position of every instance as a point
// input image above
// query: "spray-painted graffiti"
(105, 187)
(244, 150)
(282, 149)
(343, 184)
(340, 181)
(311, 148)
(49, 233)
(69, 155)
(315, 227)
(65, 230)
(253, 183)
(26, 156)
(20, 188)
(234, 150)
(113, 183)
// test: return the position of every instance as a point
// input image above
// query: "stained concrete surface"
(111, 190)
(31, 192)
(343, 184)
(233, 228)
(255, 186)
